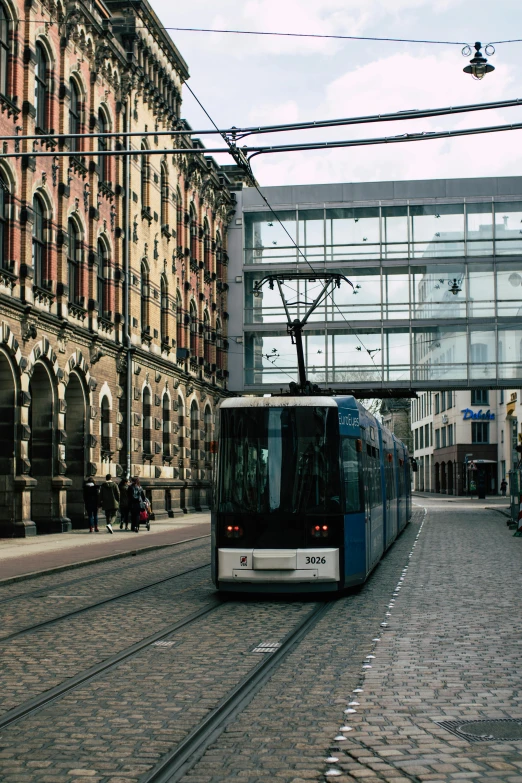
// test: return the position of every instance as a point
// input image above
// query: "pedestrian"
(137, 500)
(110, 500)
(92, 501)
(124, 504)
(503, 487)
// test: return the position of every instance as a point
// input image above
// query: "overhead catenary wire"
(241, 132)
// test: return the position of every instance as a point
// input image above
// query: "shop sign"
(482, 415)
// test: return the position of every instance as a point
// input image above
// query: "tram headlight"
(234, 531)
(320, 531)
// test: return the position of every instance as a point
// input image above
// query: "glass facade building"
(436, 269)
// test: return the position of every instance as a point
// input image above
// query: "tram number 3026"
(315, 560)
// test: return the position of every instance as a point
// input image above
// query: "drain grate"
(501, 730)
(163, 644)
(267, 647)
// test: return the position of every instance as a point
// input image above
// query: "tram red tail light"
(320, 531)
(233, 531)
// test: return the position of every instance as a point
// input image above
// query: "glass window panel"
(270, 358)
(479, 229)
(481, 286)
(265, 308)
(432, 294)
(509, 289)
(510, 353)
(482, 354)
(362, 302)
(439, 353)
(352, 233)
(395, 232)
(266, 241)
(396, 289)
(508, 228)
(315, 350)
(437, 230)
(357, 357)
(397, 355)
(311, 234)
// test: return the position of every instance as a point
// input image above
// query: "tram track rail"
(46, 698)
(175, 764)
(80, 579)
(76, 612)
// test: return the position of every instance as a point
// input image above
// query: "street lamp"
(478, 65)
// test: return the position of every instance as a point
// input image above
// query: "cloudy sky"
(244, 80)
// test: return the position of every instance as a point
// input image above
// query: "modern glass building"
(436, 268)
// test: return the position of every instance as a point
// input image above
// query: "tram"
(310, 491)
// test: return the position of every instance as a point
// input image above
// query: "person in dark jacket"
(92, 501)
(137, 500)
(110, 500)
(124, 504)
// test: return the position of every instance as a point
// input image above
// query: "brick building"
(84, 389)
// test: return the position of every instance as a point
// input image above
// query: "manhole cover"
(502, 730)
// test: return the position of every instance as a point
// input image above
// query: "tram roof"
(283, 402)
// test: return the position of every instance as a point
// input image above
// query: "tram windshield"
(279, 461)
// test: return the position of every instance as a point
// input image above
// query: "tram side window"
(351, 473)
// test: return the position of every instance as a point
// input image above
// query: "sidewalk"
(441, 698)
(24, 556)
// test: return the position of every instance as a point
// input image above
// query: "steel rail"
(47, 623)
(405, 114)
(175, 765)
(47, 697)
(126, 566)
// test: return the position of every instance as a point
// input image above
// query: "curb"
(105, 558)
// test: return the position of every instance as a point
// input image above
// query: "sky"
(245, 80)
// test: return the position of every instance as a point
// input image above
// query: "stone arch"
(44, 437)
(76, 444)
(9, 420)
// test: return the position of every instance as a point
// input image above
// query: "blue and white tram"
(310, 492)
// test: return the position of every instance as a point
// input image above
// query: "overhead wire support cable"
(233, 133)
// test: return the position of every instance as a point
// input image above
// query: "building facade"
(113, 305)
(459, 436)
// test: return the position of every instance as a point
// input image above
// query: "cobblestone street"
(437, 614)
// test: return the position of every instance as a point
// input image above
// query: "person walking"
(503, 487)
(124, 504)
(110, 500)
(91, 500)
(137, 503)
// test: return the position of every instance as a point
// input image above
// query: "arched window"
(105, 425)
(74, 116)
(74, 261)
(103, 146)
(194, 431)
(219, 257)
(147, 431)
(179, 220)
(40, 88)
(193, 331)
(193, 233)
(4, 51)
(219, 345)
(207, 248)
(208, 432)
(179, 321)
(4, 202)
(207, 344)
(164, 196)
(181, 421)
(101, 283)
(164, 315)
(145, 328)
(145, 177)
(166, 425)
(39, 246)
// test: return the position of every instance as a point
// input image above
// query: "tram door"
(367, 507)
